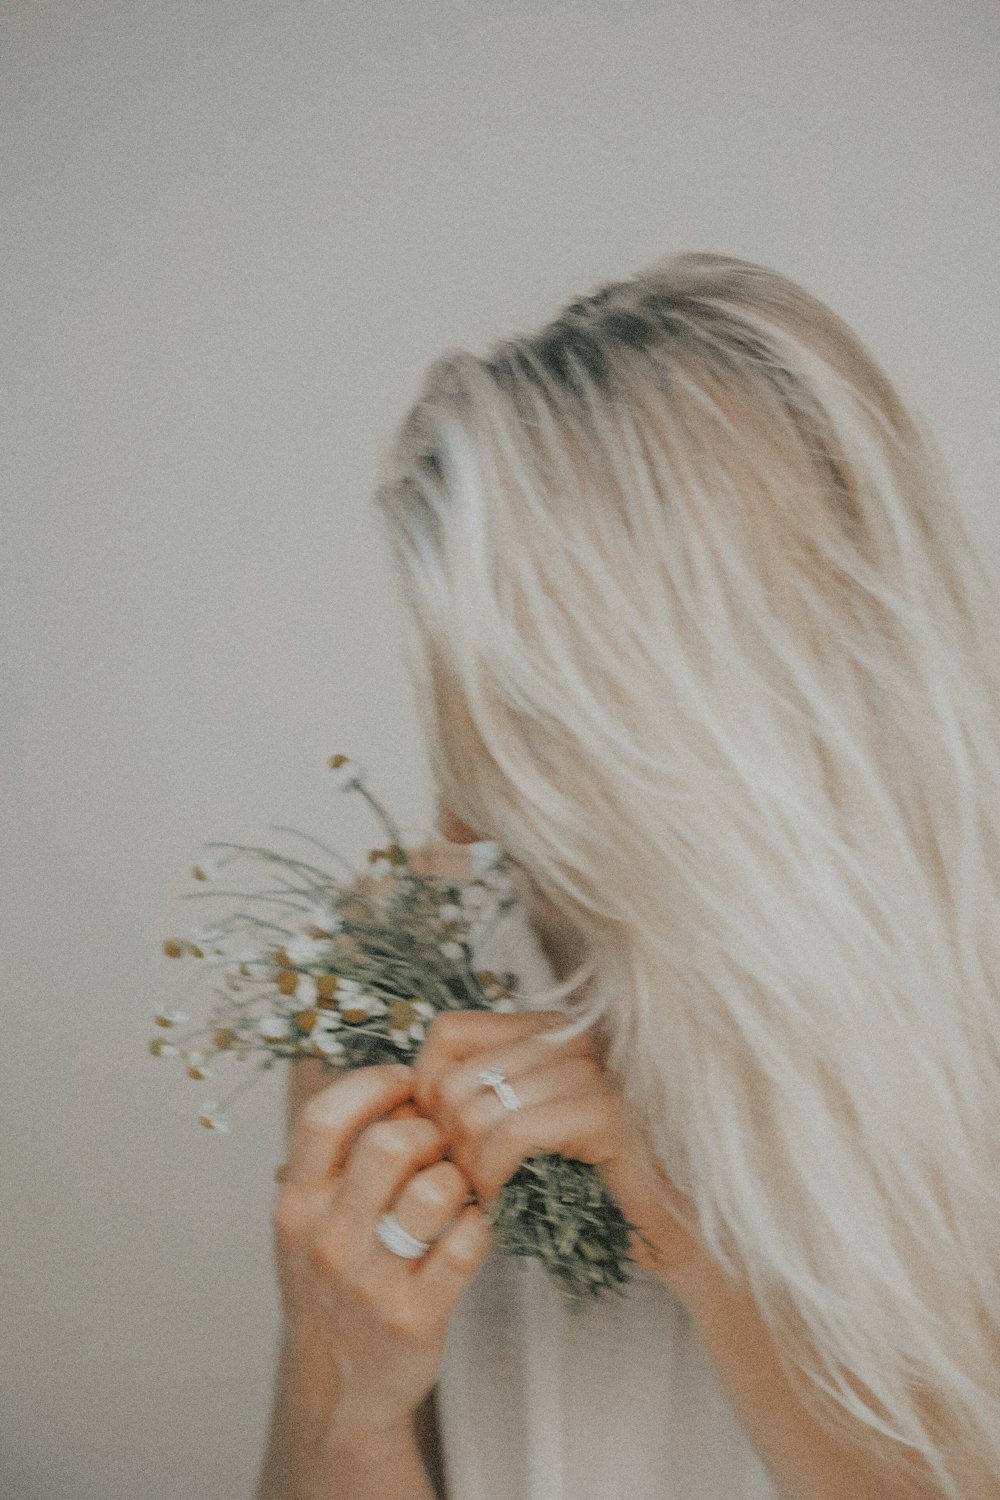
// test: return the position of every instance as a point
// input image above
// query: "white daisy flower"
(453, 951)
(210, 1119)
(305, 991)
(324, 1042)
(171, 1017)
(346, 775)
(484, 855)
(273, 1028)
(304, 950)
(323, 918)
(326, 1021)
(160, 1048)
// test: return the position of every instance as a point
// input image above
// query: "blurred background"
(234, 233)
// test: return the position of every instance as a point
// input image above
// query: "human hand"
(570, 1106)
(365, 1328)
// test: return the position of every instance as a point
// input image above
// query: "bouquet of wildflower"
(317, 966)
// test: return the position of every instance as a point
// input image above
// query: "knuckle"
(389, 1139)
(444, 1027)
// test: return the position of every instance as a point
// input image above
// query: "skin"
(363, 1329)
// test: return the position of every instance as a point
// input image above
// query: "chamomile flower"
(484, 856)
(303, 950)
(171, 1017)
(347, 773)
(273, 1028)
(211, 1120)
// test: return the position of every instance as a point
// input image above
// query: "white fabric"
(617, 1401)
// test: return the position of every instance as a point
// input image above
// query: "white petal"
(483, 856)
(327, 1044)
(273, 1028)
(345, 776)
(304, 950)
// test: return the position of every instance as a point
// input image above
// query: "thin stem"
(283, 828)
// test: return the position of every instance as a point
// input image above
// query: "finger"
(386, 1155)
(428, 1203)
(333, 1117)
(465, 1107)
(444, 1273)
(493, 1040)
(581, 1129)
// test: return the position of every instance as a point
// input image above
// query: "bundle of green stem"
(352, 971)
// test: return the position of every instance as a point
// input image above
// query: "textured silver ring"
(397, 1239)
(495, 1080)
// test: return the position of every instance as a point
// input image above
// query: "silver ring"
(397, 1239)
(495, 1080)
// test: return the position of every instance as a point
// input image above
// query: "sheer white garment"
(617, 1401)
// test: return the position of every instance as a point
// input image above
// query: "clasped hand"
(570, 1106)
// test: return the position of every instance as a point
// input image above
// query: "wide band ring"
(495, 1080)
(399, 1240)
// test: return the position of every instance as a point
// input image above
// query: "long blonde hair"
(698, 635)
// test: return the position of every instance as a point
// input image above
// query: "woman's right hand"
(365, 1329)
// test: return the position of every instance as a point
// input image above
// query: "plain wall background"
(234, 233)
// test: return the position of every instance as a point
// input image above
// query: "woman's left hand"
(570, 1106)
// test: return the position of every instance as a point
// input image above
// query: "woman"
(701, 643)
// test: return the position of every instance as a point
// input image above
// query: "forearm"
(803, 1460)
(309, 1457)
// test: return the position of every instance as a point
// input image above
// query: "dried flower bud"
(224, 1039)
(195, 951)
(172, 948)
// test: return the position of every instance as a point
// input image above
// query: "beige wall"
(234, 233)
